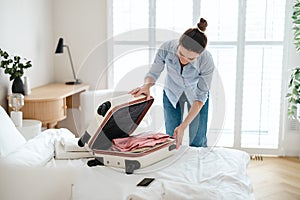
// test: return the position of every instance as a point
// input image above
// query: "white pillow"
(36, 152)
(10, 137)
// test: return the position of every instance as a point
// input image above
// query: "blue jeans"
(174, 117)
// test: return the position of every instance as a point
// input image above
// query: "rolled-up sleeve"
(205, 78)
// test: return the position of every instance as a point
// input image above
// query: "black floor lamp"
(60, 49)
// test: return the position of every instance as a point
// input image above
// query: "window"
(262, 73)
(246, 41)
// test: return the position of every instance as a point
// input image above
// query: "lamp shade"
(60, 46)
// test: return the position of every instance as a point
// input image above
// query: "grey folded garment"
(67, 148)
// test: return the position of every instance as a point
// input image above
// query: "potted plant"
(293, 95)
(14, 66)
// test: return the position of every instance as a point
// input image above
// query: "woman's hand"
(144, 89)
(178, 134)
(179, 131)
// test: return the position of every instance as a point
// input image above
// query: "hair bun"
(202, 24)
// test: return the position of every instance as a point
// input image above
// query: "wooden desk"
(49, 103)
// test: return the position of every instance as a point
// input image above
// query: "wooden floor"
(275, 178)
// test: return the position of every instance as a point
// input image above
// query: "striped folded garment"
(140, 141)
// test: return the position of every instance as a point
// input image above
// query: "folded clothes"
(61, 153)
(142, 140)
(71, 144)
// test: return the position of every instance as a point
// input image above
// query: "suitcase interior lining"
(121, 123)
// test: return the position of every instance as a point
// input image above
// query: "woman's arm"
(154, 72)
(179, 130)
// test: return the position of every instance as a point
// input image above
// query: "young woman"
(189, 73)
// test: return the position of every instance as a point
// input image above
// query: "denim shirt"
(195, 79)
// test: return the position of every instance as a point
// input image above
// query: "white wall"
(31, 29)
(26, 30)
(82, 24)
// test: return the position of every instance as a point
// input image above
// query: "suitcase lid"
(122, 115)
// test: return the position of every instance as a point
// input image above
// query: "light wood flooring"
(275, 178)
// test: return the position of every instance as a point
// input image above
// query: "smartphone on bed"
(145, 182)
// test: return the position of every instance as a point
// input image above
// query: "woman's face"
(185, 56)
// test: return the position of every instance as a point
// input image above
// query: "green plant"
(13, 65)
(296, 24)
(293, 94)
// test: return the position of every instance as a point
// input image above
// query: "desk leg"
(50, 125)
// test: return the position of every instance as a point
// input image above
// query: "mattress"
(191, 173)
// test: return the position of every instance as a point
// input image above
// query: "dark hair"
(194, 39)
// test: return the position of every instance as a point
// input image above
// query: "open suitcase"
(118, 118)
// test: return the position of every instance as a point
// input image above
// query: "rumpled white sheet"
(162, 189)
(202, 173)
(192, 173)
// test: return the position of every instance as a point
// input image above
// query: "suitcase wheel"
(103, 108)
(95, 162)
(84, 139)
(131, 165)
(80, 143)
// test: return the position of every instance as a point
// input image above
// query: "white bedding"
(37, 151)
(192, 173)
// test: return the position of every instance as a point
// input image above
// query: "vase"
(27, 89)
(18, 86)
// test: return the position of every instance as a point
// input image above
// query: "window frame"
(240, 44)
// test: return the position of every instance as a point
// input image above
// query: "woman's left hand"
(144, 89)
(178, 135)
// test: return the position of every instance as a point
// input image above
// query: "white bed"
(28, 170)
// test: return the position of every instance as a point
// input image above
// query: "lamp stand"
(76, 81)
